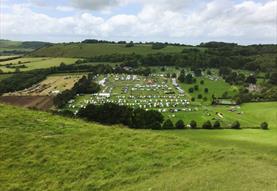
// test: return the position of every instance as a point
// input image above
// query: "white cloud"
(65, 8)
(248, 21)
(94, 4)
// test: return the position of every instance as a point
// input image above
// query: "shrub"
(191, 90)
(193, 124)
(206, 90)
(207, 125)
(168, 124)
(193, 99)
(217, 125)
(196, 87)
(205, 99)
(199, 96)
(235, 125)
(264, 125)
(180, 124)
(202, 82)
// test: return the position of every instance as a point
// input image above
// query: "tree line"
(85, 85)
(110, 113)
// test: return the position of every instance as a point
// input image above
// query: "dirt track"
(38, 102)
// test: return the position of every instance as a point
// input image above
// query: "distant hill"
(86, 50)
(8, 46)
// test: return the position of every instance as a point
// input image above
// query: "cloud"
(224, 20)
(95, 4)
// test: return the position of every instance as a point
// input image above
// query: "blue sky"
(184, 21)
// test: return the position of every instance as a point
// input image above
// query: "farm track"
(38, 102)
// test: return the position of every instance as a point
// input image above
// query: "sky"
(181, 21)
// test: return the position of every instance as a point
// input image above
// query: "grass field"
(52, 85)
(249, 115)
(89, 50)
(40, 151)
(4, 76)
(35, 63)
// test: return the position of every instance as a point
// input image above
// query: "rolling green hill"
(8, 45)
(40, 151)
(82, 50)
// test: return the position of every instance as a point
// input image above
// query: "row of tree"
(85, 85)
(110, 113)
(168, 125)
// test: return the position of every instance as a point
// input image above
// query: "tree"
(189, 79)
(264, 126)
(180, 124)
(202, 82)
(130, 44)
(235, 125)
(168, 124)
(251, 79)
(273, 78)
(191, 90)
(174, 75)
(196, 87)
(216, 125)
(207, 125)
(193, 99)
(206, 90)
(199, 96)
(193, 124)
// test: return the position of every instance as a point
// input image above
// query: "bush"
(196, 87)
(168, 124)
(264, 125)
(193, 124)
(193, 99)
(206, 90)
(191, 90)
(235, 125)
(207, 125)
(199, 96)
(202, 82)
(180, 124)
(217, 125)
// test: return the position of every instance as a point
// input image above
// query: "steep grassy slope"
(89, 50)
(40, 151)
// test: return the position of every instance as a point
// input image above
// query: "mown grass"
(35, 63)
(89, 50)
(40, 151)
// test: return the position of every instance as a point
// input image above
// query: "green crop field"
(89, 50)
(3, 76)
(40, 151)
(34, 63)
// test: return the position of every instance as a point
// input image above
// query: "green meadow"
(40, 151)
(35, 63)
(81, 50)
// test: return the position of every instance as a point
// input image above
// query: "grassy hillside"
(34, 63)
(40, 151)
(90, 50)
(8, 45)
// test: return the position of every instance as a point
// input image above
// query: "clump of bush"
(180, 124)
(235, 125)
(168, 124)
(264, 126)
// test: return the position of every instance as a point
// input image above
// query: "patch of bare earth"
(38, 102)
